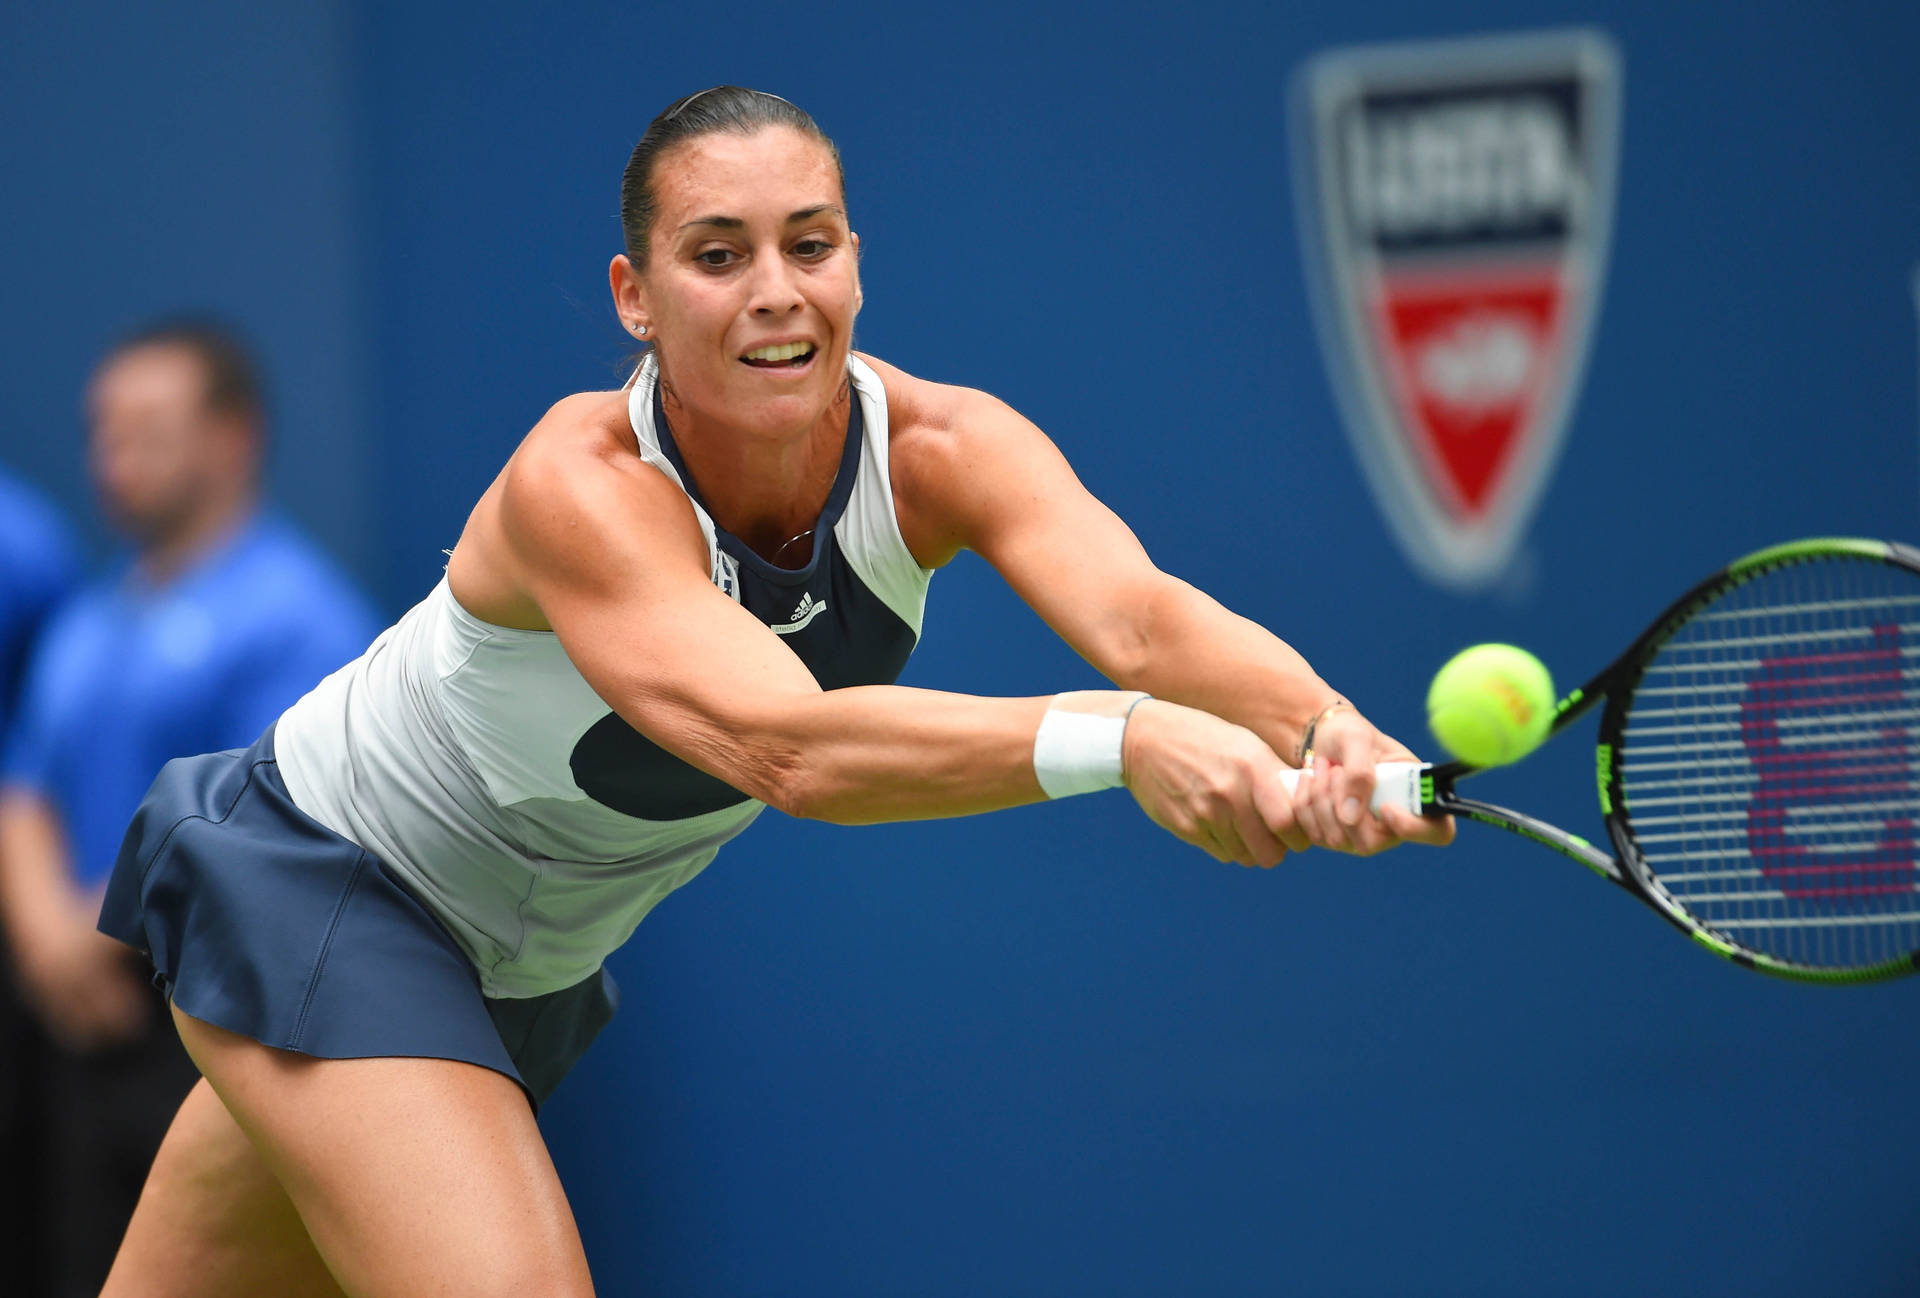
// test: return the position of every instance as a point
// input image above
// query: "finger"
(1353, 793)
(1327, 799)
(1380, 830)
(1310, 806)
(1334, 792)
(1227, 834)
(1384, 829)
(1274, 803)
(1264, 849)
(1433, 831)
(1373, 836)
(1207, 840)
(1404, 826)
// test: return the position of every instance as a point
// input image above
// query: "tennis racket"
(1758, 764)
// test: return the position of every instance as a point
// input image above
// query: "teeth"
(779, 352)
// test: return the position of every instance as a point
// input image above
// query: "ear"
(859, 297)
(629, 296)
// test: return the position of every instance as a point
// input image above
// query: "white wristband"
(1077, 748)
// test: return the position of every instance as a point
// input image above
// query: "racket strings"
(1770, 767)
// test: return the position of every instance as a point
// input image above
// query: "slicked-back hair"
(733, 109)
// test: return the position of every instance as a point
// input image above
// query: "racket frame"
(1614, 687)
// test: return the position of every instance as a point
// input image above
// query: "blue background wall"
(1051, 1051)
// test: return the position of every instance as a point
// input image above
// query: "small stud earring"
(640, 331)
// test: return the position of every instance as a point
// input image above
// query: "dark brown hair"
(233, 379)
(733, 109)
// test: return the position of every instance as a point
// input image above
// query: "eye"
(812, 249)
(715, 257)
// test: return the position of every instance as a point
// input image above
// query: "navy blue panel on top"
(843, 632)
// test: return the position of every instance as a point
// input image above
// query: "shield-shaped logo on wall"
(1455, 203)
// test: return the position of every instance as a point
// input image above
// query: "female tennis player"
(382, 927)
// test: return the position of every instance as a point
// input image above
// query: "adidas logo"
(806, 611)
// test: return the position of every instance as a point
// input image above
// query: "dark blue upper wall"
(188, 157)
(1050, 1051)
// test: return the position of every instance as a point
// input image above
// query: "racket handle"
(1395, 784)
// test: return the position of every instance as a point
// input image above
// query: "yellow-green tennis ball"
(1491, 704)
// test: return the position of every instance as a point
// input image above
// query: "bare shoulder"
(587, 428)
(576, 502)
(922, 411)
(580, 459)
(953, 451)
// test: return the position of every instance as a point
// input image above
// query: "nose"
(775, 287)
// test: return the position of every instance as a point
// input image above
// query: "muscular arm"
(611, 557)
(581, 536)
(983, 478)
(974, 474)
(1182, 644)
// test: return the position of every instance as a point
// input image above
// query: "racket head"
(1759, 761)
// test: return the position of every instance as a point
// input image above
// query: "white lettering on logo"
(807, 610)
(1440, 168)
(1481, 362)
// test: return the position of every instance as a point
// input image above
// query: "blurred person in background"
(221, 616)
(36, 570)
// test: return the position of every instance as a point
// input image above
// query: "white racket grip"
(1395, 784)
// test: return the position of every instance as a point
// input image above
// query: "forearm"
(80, 982)
(37, 898)
(1186, 647)
(883, 752)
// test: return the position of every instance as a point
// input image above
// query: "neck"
(765, 488)
(165, 557)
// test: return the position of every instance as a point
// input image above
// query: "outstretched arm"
(984, 478)
(582, 537)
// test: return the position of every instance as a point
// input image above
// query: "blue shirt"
(130, 675)
(36, 570)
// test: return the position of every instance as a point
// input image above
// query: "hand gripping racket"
(1758, 763)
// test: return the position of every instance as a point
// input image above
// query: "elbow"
(794, 789)
(1128, 654)
(771, 762)
(1135, 642)
(793, 795)
(800, 772)
(807, 794)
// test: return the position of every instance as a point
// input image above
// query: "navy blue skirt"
(263, 921)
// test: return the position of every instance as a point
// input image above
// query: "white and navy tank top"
(535, 823)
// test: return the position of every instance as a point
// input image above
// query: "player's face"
(752, 284)
(152, 444)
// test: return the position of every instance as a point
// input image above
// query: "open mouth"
(780, 356)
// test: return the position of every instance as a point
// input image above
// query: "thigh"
(213, 1221)
(411, 1176)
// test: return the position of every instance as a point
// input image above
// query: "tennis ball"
(1491, 704)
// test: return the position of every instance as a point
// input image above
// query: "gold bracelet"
(1306, 735)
